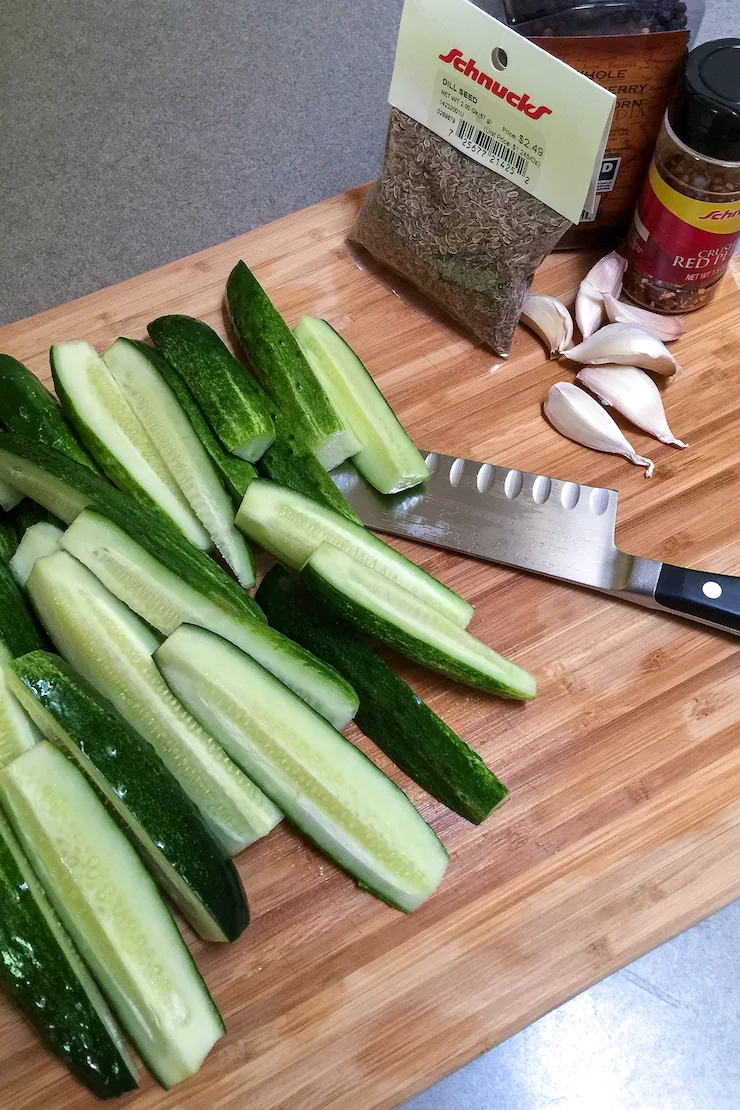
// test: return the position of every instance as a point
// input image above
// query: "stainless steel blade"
(564, 530)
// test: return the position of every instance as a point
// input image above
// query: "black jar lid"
(705, 109)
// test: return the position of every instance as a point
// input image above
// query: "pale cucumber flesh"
(379, 607)
(112, 649)
(38, 540)
(9, 497)
(111, 908)
(323, 783)
(337, 448)
(17, 732)
(103, 417)
(161, 416)
(385, 455)
(165, 601)
(290, 526)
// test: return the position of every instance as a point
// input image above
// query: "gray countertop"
(135, 133)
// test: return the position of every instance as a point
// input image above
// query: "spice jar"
(687, 221)
(634, 48)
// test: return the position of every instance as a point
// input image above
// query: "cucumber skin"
(162, 540)
(222, 387)
(427, 655)
(277, 360)
(152, 794)
(290, 464)
(236, 473)
(28, 513)
(8, 534)
(27, 409)
(20, 632)
(390, 713)
(37, 976)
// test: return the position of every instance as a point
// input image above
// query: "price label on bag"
(502, 101)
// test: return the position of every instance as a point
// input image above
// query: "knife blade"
(560, 529)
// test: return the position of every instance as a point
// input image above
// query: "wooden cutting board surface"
(623, 825)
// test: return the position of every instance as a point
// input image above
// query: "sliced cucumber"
(112, 649)
(28, 409)
(46, 979)
(390, 712)
(17, 732)
(166, 601)
(156, 406)
(236, 473)
(279, 364)
(324, 784)
(234, 405)
(143, 795)
(110, 429)
(19, 629)
(39, 540)
(289, 462)
(65, 488)
(360, 596)
(386, 456)
(8, 536)
(9, 497)
(290, 527)
(111, 908)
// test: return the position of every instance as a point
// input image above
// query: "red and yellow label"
(678, 239)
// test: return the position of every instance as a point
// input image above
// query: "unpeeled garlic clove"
(625, 345)
(578, 416)
(666, 328)
(607, 274)
(590, 311)
(633, 393)
(550, 320)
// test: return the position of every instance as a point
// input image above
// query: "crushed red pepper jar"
(687, 222)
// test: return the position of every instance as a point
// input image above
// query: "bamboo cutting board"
(623, 825)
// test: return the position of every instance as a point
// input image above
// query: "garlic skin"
(666, 328)
(625, 345)
(607, 274)
(590, 310)
(576, 414)
(633, 393)
(550, 320)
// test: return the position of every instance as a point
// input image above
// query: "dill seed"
(466, 236)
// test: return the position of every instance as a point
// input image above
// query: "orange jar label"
(680, 240)
(641, 71)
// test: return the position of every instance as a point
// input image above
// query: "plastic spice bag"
(466, 236)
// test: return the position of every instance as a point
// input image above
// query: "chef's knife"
(560, 529)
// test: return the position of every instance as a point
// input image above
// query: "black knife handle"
(714, 598)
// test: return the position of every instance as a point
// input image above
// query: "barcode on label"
(497, 149)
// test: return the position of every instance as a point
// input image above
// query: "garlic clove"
(633, 393)
(550, 320)
(607, 274)
(590, 311)
(576, 414)
(625, 345)
(666, 328)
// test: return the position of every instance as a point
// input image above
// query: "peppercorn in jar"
(687, 223)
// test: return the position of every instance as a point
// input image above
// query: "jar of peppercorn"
(687, 223)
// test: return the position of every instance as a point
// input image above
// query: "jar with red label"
(687, 223)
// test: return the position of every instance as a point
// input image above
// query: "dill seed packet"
(491, 155)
